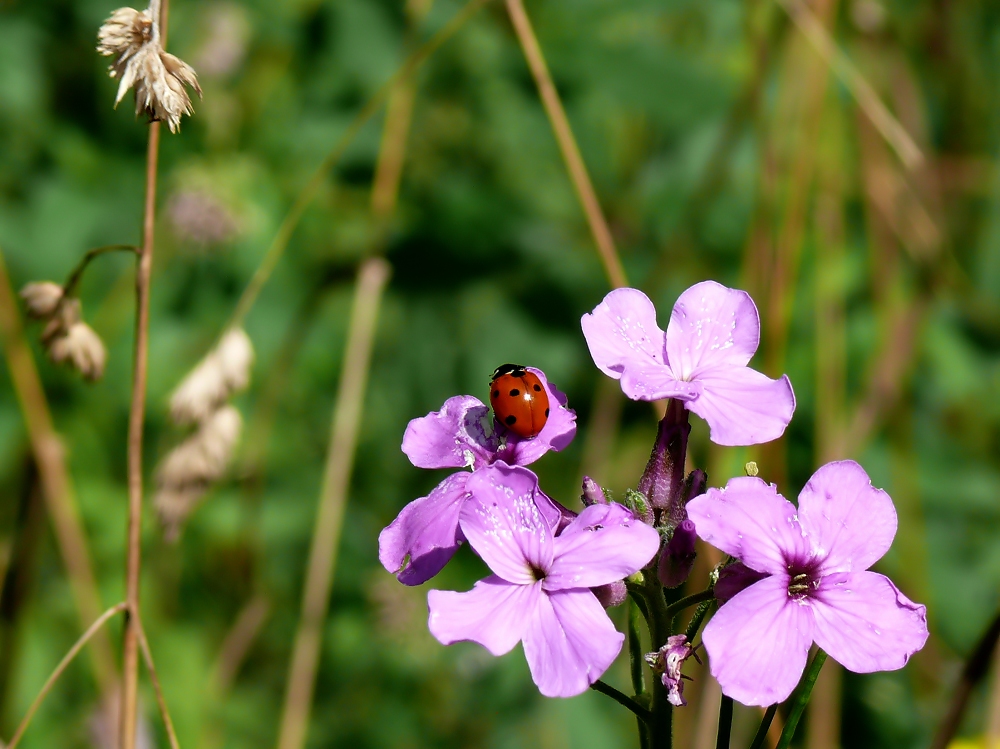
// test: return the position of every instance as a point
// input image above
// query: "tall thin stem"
(63, 664)
(372, 277)
(136, 419)
(53, 475)
(725, 722)
(567, 144)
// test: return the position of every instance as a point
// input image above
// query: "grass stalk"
(53, 474)
(59, 669)
(136, 419)
(372, 277)
(868, 100)
(147, 656)
(612, 263)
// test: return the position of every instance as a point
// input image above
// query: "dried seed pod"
(81, 348)
(190, 468)
(224, 371)
(41, 298)
(131, 37)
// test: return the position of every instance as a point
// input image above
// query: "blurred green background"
(720, 146)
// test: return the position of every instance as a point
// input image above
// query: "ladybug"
(519, 400)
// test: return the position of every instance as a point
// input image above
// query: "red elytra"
(519, 400)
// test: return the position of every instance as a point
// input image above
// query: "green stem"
(74, 278)
(696, 621)
(673, 609)
(636, 662)
(725, 723)
(765, 726)
(622, 699)
(805, 691)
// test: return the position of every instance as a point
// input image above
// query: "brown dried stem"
(57, 488)
(372, 277)
(160, 701)
(136, 419)
(567, 144)
(63, 664)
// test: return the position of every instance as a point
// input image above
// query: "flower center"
(537, 573)
(803, 580)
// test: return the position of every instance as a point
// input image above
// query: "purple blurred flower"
(425, 534)
(817, 587)
(540, 592)
(701, 359)
(668, 662)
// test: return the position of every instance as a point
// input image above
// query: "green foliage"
(694, 120)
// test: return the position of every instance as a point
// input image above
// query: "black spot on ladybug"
(546, 413)
(509, 421)
(538, 388)
(514, 393)
(496, 393)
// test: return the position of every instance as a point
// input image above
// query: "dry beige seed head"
(133, 40)
(191, 467)
(224, 371)
(41, 298)
(81, 348)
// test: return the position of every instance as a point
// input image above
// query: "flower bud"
(612, 594)
(593, 494)
(41, 298)
(733, 578)
(662, 481)
(677, 557)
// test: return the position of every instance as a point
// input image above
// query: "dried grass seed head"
(132, 38)
(41, 298)
(82, 349)
(190, 468)
(224, 371)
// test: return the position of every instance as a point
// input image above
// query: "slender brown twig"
(148, 657)
(136, 419)
(567, 144)
(372, 277)
(63, 664)
(57, 488)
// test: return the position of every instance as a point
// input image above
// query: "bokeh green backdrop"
(720, 146)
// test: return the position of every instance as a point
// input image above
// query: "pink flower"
(425, 534)
(540, 594)
(701, 360)
(817, 588)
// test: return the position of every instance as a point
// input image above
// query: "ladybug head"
(515, 370)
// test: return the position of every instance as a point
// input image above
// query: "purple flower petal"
(743, 406)
(558, 432)
(605, 543)
(569, 642)
(622, 332)
(865, 623)
(758, 643)
(494, 614)
(845, 516)
(453, 437)
(711, 326)
(752, 522)
(425, 532)
(504, 525)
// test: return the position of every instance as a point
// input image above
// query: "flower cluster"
(66, 337)
(799, 576)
